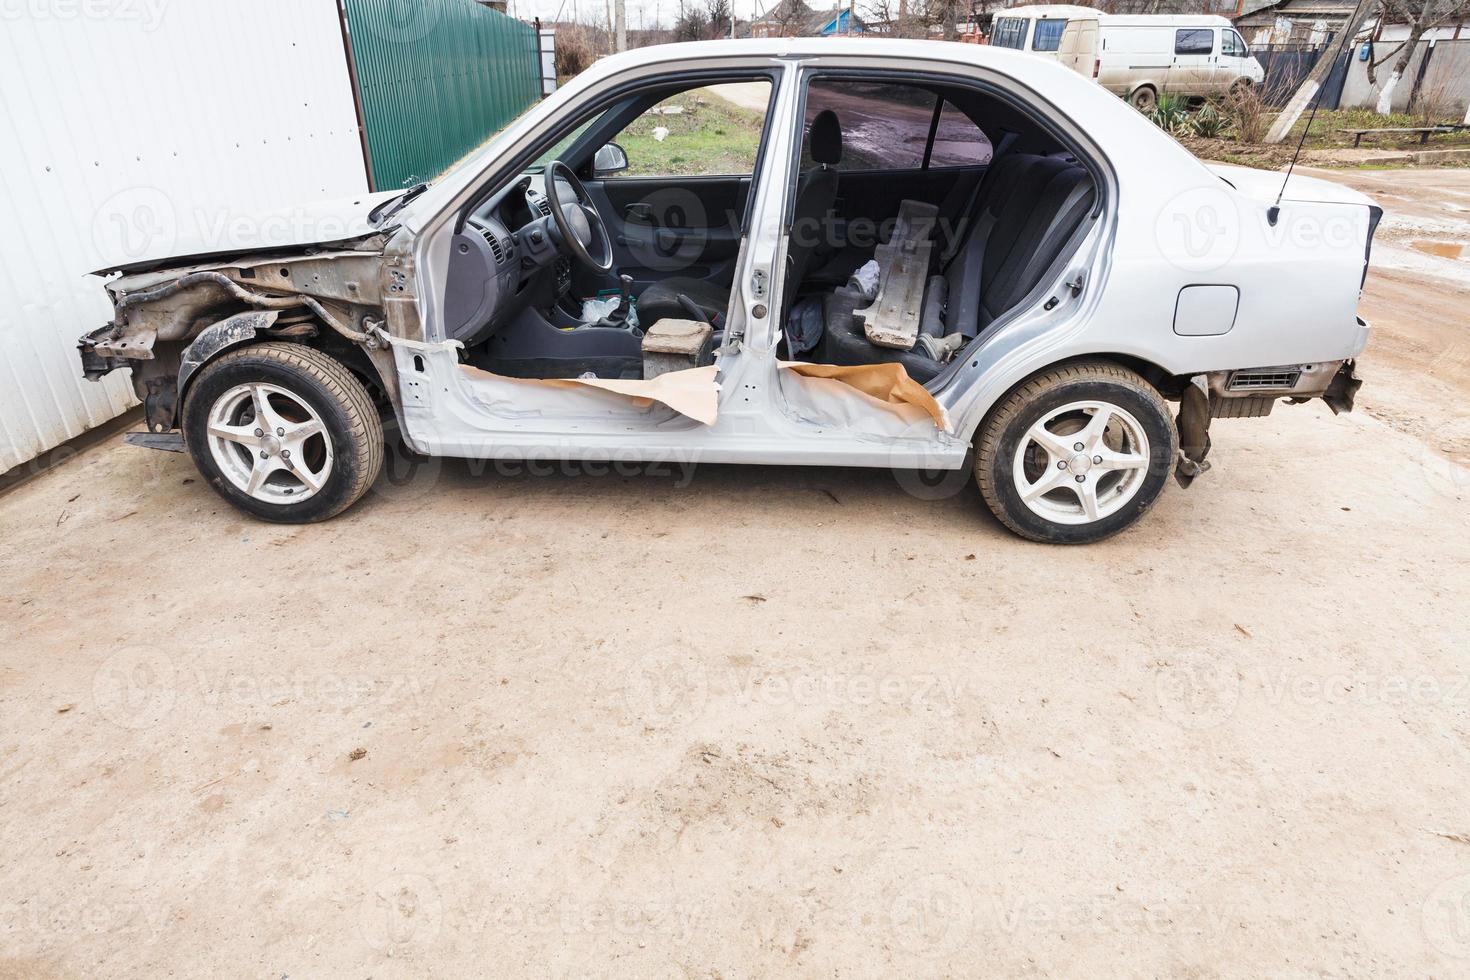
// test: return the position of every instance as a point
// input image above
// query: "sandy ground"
(757, 721)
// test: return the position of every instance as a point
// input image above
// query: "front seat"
(816, 192)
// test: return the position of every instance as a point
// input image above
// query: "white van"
(1037, 29)
(1140, 56)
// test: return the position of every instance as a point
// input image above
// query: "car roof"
(898, 49)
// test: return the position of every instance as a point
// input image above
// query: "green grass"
(711, 136)
(1327, 131)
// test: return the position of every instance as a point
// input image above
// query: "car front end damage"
(170, 320)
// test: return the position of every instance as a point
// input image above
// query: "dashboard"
(502, 258)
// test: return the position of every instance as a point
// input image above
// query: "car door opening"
(951, 206)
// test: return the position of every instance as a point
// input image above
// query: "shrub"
(1208, 122)
(1244, 114)
(1171, 113)
(574, 50)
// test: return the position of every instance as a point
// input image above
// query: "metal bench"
(1424, 132)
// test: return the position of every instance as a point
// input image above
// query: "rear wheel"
(1076, 454)
(1144, 98)
(283, 432)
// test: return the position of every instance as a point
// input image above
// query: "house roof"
(797, 14)
(1301, 8)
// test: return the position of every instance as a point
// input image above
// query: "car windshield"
(555, 150)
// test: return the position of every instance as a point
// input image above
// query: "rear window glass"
(1194, 40)
(1010, 32)
(958, 142)
(884, 127)
(1048, 36)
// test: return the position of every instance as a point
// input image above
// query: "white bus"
(1140, 56)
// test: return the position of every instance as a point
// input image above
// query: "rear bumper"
(1343, 389)
(1252, 392)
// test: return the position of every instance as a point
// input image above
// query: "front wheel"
(283, 432)
(1076, 454)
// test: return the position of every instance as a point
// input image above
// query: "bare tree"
(1312, 84)
(692, 25)
(916, 18)
(1422, 16)
(718, 13)
(788, 17)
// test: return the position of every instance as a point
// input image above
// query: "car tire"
(1144, 98)
(1041, 487)
(321, 452)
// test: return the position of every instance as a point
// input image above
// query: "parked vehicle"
(1139, 57)
(1038, 28)
(1052, 271)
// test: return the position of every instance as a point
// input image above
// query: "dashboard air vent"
(495, 246)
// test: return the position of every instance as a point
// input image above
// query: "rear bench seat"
(1027, 209)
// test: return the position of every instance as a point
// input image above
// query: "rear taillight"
(1375, 215)
(1096, 67)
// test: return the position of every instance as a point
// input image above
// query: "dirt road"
(756, 721)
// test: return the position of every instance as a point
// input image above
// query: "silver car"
(910, 254)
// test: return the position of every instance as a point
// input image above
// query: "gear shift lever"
(619, 316)
(625, 296)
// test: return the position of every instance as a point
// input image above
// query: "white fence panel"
(127, 126)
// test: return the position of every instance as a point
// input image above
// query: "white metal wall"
(127, 126)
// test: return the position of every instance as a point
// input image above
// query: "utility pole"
(1314, 81)
(621, 12)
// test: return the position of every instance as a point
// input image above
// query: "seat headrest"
(825, 138)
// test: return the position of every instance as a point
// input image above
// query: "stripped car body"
(1196, 280)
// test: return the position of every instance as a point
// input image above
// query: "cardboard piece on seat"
(692, 392)
(888, 383)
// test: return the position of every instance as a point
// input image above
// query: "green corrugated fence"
(435, 79)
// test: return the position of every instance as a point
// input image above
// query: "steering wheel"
(577, 224)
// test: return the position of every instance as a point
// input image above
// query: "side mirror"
(609, 159)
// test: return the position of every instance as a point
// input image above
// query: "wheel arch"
(250, 327)
(1166, 382)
